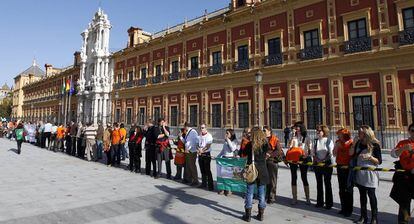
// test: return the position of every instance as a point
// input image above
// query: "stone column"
(336, 96)
(390, 99)
(183, 109)
(294, 102)
(230, 108)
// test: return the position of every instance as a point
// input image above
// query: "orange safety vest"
(342, 154)
(406, 157)
(294, 154)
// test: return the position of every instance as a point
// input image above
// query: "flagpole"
(66, 103)
(70, 95)
(62, 103)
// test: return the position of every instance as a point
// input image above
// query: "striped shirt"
(90, 133)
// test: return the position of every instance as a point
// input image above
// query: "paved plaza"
(40, 186)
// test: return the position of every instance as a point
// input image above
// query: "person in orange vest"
(298, 152)
(274, 156)
(116, 141)
(402, 191)
(341, 152)
(60, 135)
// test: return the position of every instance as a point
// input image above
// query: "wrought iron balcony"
(215, 69)
(193, 73)
(310, 53)
(173, 76)
(241, 65)
(142, 82)
(117, 85)
(156, 79)
(407, 36)
(274, 59)
(129, 84)
(360, 44)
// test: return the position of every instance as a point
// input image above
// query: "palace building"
(28, 76)
(53, 98)
(274, 62)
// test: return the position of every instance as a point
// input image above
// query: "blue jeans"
(249, 196)
(99, 148)
(123, 151)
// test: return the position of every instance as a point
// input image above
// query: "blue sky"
(49, 30)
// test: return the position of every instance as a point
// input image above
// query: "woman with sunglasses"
(322, 153)
(299, 146)
(367, 153)
(403, 189)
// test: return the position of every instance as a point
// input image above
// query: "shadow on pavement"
(383, 217)
(13, 150)
(181, 195)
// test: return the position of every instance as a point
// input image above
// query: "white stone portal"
(95, 80)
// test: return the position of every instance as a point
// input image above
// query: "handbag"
(179, 159)
(250, 172)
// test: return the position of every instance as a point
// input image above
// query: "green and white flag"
(229, 174)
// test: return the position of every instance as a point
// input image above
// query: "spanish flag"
(67, 85)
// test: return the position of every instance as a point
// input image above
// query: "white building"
(95, 81)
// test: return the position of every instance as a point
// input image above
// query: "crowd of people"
(259, 146)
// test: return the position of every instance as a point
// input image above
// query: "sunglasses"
(202, 127)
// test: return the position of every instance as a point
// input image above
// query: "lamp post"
(259, 77)
(115, 114)
(60, 111)
(32, 112)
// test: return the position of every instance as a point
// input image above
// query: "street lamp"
(258, 77)
(31, 108)
(60, 111)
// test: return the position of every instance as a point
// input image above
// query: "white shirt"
(48, 127)
(228, 149)
(53, 129)
(204, 140)
(191, 140)
(323, 151)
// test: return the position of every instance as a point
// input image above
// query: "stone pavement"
(40, 186)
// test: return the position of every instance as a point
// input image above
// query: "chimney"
(133, 36)
(137, 36)
(49, 70)
(77, 58)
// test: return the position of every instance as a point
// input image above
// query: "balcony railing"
(360, 44)
(129, 84)
(310, 53)
(215, 69)
(156, 79)
(193, 73)
(241, 65)
(407, 36)
(274, 59)
(118, 85)
(173, 76)
(142, 82)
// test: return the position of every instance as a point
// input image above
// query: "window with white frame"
(243, 113)
(408, 18)
(143, 73)
(193, 115)
(357, 29)
(311, 38)
(216, 115)
(174, 116)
